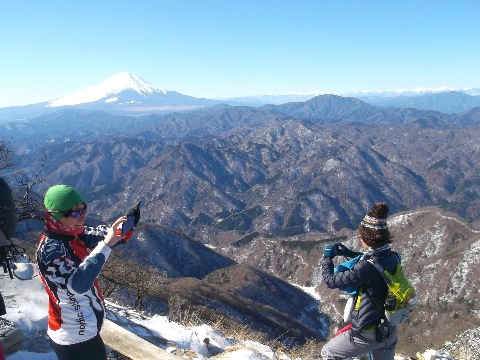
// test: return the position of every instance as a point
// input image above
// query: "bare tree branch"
(29, 207)
(119, 272)
(7, 159)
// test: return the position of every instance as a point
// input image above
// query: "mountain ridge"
(337, 168)
(445, 102)
(127, 93)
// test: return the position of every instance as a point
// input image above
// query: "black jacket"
(371, 288)
(8, 217)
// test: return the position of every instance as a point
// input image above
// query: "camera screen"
(128, 225)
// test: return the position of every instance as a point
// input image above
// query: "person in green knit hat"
(70, 256)
(61, 198)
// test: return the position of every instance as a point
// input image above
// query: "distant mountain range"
(128, 94)
(269, 168)
(390, 97)
(444, 102)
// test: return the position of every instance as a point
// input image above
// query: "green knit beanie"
(61, 198)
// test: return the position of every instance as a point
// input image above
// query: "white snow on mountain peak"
(107, 90)
(400, 92)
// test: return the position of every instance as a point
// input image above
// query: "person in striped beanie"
(365, 330)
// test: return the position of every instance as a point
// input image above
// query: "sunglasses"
(75, 213)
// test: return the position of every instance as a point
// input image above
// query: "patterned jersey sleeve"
(93, 235)
(59, 269)
(54, 264)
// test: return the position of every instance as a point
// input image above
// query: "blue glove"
(345, 251)
(330, 251)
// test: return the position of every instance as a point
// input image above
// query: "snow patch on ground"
(460, 278)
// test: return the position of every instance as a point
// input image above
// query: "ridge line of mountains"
(128, 94)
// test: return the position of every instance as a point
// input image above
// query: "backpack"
(401, 297)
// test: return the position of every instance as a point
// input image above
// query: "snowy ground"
(26, 303)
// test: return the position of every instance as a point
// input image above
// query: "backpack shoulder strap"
(380, 270)
(398, 257)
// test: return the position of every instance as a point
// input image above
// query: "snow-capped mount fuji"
(128, 92)
(122, 94)
(108, 90)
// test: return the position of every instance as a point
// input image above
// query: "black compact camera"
(382, 331)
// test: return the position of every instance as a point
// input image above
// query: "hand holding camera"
(345, 251)
(330, 251)
(133, 217)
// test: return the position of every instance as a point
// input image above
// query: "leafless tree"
(147, 281)
(140, 279)
(28, 206)
(7, 159)
(115, 275)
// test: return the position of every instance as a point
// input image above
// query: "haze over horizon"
(218, 49)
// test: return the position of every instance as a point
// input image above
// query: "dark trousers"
(346, 346)
(93, 349)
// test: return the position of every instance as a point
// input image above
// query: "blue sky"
(223, 48)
